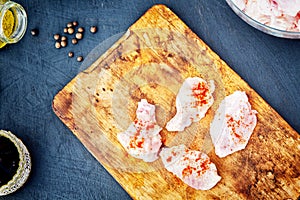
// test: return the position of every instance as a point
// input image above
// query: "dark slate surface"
(33, 71)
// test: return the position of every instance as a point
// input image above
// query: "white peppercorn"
(57, 45)
(79, 58)
(63, 43)
(56, 36)
(70, 31)
(80, 30)
(93, 29)
(34, 32)
(74, 41)
(79, 36)
(71, 54)
(69, 25)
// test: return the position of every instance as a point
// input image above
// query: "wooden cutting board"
(151, 60)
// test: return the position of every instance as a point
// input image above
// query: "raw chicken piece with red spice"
(233, 124)
(142, 139)
(192, 102)
(193, 167)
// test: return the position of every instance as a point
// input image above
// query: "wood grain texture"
(151, 61)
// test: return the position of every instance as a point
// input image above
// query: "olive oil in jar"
(7, 25)
(13, 22)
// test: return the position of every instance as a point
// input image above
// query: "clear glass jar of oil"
(13, 22)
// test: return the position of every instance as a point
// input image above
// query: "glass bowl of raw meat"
(280, 18)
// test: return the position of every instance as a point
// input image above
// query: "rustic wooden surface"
(151, 61)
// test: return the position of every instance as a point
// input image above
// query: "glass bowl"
(24, 165)
(262, 27)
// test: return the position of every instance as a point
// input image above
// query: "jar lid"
(15, 162)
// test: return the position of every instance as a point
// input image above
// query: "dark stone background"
(33, 71)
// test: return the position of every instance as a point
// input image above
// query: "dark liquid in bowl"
(9, 160)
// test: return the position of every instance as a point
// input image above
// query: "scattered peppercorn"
(80, 30)
(69, 25)
(34, 32)
(70, 31)
(57, 45)
(71, 54)
(63, 43)
(79, 36)
(56, 37)
(93, 29)
(74, 41)
(79, 58)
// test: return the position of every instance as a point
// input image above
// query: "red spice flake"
(274, 3)
(174, 153)
(138, 131)
(169, 159)
(185, 158)
(139, 144)
(139, 123)
(150, 126)
(199, 172)
(204, 165)
(233, 125)
(135, 143)
(197, 159)
(200, 92)
(188, 171)
(132, 144)
(297, 17)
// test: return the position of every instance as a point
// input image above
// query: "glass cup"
(13, 22)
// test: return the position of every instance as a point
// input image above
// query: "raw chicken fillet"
(193, 167)
(233, 124)
(192, 102)
(142, 139)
